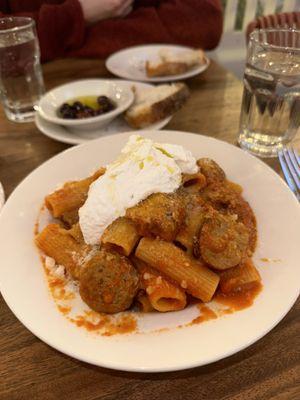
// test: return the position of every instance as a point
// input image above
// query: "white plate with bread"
(152, 108)
(157, 63)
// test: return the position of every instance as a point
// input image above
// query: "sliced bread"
(171, 63)
(154, 104)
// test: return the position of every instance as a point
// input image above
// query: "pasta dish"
(155, 230)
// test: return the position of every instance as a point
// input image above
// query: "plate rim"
(157, 80)
(114, 365)
(2, 196)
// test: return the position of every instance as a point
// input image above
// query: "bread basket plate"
(62, 134)
(130, 63)
(158, 345)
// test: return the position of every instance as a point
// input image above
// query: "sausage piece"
(227, 201)
(223, 241)
(211, 170)
(160, 214)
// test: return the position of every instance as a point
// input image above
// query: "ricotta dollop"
(143, 167)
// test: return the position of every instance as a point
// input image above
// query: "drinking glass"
(21, 79)
(270, 113)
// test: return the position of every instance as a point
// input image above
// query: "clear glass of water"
(270, 113)
(21, 79)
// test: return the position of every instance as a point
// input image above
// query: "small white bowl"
(119, 93)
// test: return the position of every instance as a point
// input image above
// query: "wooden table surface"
(29, 369)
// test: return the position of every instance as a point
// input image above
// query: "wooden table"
(29, 369)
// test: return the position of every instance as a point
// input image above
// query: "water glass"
(21, 79)
(270, 113)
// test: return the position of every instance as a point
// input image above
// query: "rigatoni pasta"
(71, 196)
(76, 233)
(121, 235)
(160, 251)
(173, 262)
(163, 295)
(194, 182)
(143, 302)
(70, 218)
(239, 278)
(57, 243)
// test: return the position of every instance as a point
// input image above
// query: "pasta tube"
(241, 277)
(163, 295)
(57, 243)
(173, 262)
(121, 236)
(144, 302)
(194, 182)
(71, 196)
(76, 233)
(70, 218)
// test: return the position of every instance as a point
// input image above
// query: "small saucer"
(118, 125)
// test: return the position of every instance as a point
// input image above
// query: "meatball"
(226, 200)
(108, 282)
(159, 215)
(211, 170)
(223, 241)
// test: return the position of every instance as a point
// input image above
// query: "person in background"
(97, 28)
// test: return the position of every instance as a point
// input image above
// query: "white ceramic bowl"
(119, 92)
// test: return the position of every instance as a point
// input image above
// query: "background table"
(29, 369)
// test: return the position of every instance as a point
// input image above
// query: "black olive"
(78, 110)
(108, 106)
(69, 114)
(111, 106)
(86, 112)
(81, 114)
(64, 107)
(87, 109)
(102, 100)
(78, 106)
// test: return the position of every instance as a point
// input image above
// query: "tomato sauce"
(64, 310)
(234, 302)
(37, 224)
(125, 324)
(206, 314)
(109, 326)
(238, 300)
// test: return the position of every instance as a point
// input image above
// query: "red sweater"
(62, 30)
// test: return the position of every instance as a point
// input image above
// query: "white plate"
(2, 196)
(62, 134)
(24, 287)
(130, 63)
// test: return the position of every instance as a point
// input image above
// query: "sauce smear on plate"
(239, 300)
